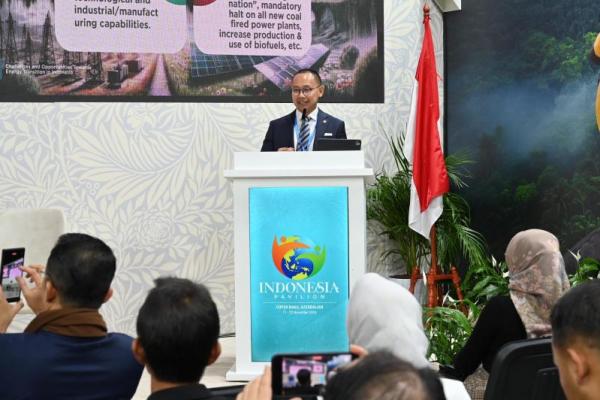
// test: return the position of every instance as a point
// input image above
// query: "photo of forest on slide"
(521, 102)
(346, 48)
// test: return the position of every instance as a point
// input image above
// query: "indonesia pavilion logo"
(298, 258)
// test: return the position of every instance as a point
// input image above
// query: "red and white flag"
(422, 145)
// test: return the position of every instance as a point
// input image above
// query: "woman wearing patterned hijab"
(537, 278)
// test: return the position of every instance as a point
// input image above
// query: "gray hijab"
(383, 315)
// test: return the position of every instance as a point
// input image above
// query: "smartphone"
(305, 374)
(12, 261)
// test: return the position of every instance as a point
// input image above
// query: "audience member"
(383, 376)
(383, 315)
(537, 278)
(66, 352)
(576, 341)
(178, 332)
(376, 376)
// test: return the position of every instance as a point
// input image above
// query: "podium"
(299, 244)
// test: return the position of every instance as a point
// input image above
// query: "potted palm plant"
(388, 203)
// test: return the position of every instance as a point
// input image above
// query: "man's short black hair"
(577, 314)
(177, 326)
(309, 71)
(383, 376)
(81, 268)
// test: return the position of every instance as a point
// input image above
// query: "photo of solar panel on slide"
(205, 65)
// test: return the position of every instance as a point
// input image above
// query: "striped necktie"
(304, 135)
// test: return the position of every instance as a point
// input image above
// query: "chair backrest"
(35, 229)
(228, 392)
(524, 369)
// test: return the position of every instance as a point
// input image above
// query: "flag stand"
(433, 277)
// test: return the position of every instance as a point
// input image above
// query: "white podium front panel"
(298, 270)
(311, 223)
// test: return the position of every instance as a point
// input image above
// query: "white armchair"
(37, 230)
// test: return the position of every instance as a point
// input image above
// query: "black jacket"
(281, 131)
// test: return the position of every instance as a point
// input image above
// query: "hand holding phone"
(35, 295)
(258, 389)
(12, 264)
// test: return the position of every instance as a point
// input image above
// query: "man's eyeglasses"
(305, 90)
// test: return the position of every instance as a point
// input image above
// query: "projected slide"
(188, 50)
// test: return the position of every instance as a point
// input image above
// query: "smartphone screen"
(12, 261)
(305, 374)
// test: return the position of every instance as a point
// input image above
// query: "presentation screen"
(194, 50)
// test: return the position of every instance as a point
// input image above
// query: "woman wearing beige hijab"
(383, 315)
(537, 278)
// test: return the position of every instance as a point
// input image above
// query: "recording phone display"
(12, 261)
(306, 373)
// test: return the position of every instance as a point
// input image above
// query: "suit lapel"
(290, 128)
(322, 121)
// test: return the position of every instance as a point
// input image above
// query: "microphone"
(304, 114)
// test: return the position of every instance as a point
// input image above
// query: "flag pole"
(433, 270)
(430, 178)
(432, 274)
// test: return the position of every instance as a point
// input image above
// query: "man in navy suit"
(300, 130)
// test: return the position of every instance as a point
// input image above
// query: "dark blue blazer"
(281, 131)
(45, 365)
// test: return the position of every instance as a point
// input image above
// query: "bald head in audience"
(383, 376)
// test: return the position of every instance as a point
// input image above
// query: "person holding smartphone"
(66, 351)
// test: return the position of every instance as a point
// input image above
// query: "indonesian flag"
(422, 144)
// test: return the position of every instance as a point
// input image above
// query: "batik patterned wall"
(148, 177)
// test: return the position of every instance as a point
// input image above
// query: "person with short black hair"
(300, 130)
(178, 332)
(575, 323)
(66, 352)
(303, 377)
(81, 268)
